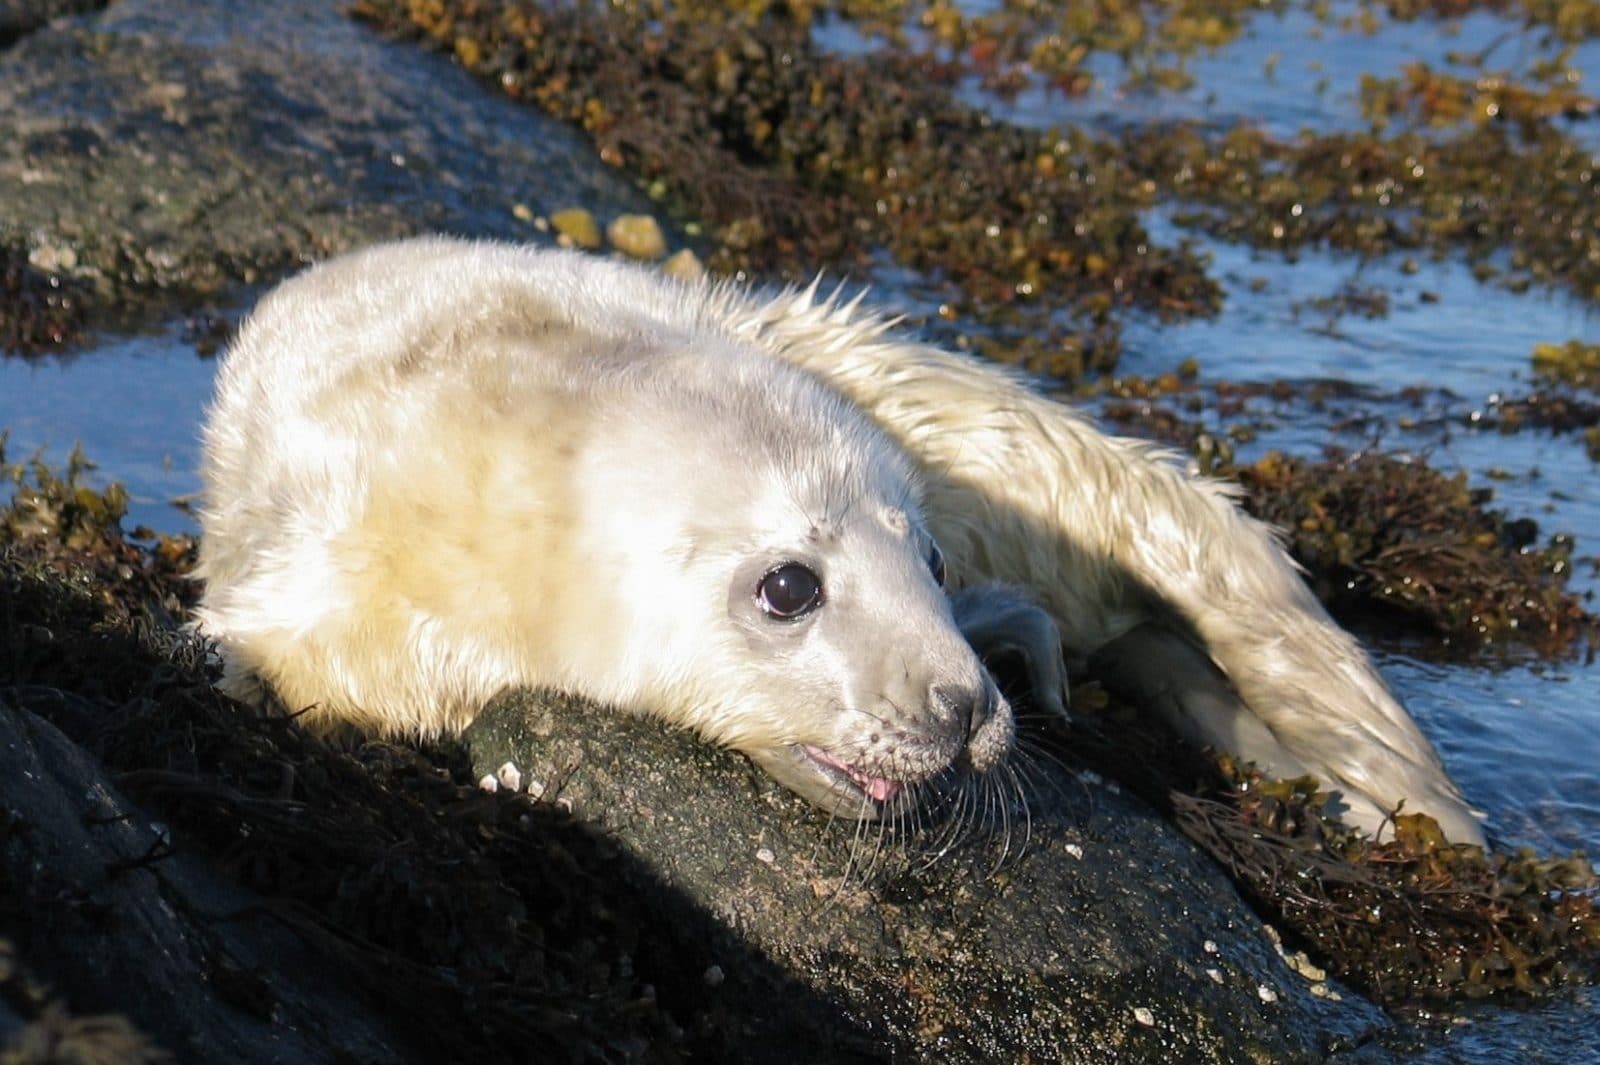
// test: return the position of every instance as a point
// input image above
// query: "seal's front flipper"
(1000, 621)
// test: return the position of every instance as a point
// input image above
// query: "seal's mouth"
(879, 789)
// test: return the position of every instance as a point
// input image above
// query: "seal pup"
(437, 469)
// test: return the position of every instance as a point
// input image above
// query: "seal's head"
(796, 596)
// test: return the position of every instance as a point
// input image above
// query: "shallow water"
(134, 405)
(1290, 72)
(1521, 736)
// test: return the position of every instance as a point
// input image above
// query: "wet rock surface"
(21, 17)
(1090, 932)
(125, 925)
(160, 151)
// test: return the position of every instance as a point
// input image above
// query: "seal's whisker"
(1029, 780)
(996, 801)
(1013, 796)
(853, 859)
(1036, 752)
(1059, 782)
(1024, 803)
(949, 822)
(964, 817)
(875, 856)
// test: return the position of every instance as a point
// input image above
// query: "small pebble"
(1074, 850)
(637, 235)
(1266, 994)
(489, 783)
(713, 976)
(684, 265)
(765, 855)
(576, 227)
(53, 258)
(509, 776)
(1304, 966)
(1215, 974)
(1143, 1015)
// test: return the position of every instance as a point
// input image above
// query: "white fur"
(1107, 533)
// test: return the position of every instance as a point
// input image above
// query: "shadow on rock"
(1104, 937)
(299, 903)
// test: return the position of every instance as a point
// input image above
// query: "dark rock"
(182, 147)
(1088, 941)
(122, 924)
(18, 18)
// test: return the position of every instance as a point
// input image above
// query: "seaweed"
(1385, 538)
(1412, 919)
(1385, 532)
(1574, 363)
(74, 528)
(789, 157)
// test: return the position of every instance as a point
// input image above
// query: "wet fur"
(323, 460)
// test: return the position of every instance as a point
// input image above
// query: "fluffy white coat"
(1123, 549)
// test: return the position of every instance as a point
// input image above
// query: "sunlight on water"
(134, 405)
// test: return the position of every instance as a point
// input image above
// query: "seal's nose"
(966, 709)
(979, 720)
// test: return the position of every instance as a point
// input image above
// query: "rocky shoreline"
(229, 889)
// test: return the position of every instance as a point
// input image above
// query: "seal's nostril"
(964, 707)
(984, 708)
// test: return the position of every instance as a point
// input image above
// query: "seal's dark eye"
(789, 591)
(936, 563)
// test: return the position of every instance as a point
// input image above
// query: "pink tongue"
(879, 788)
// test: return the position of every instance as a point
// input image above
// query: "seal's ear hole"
(936, 563)
(789, 591)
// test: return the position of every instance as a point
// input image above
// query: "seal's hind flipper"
(1154, 667)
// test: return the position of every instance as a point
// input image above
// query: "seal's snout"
(981, 717)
